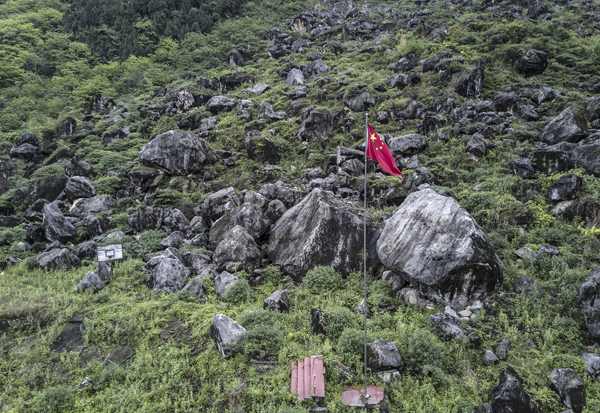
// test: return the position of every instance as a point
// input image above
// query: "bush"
(167, 198)
(29, 263)
(338, 320)
(54, 399)
(45, 171)
(106, 185)
(186, 296)
(350, 347)
(254, 318)
(240, 292)
(424, 356)
(321, 279)
(150, 241)
(11, 235)
(271, 275)
(261, 341)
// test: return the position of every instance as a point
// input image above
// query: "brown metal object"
(355, 398)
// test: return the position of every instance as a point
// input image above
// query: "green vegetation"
(54, 56)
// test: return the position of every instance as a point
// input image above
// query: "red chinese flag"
(379, 151)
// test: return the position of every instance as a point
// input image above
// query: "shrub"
(321, 279)
(185, 296)
(424, 356)
(150, 241)
(11, 235)
(338, 320)
(254, 318)
(240, 292)
(350, 347)
(106, 185)
(29, 263)
(261, 341)
(45, 171)
(271, 275)
(54, 399)
(167, 198)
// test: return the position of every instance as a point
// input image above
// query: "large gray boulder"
(534, 62)
(569, 126)
(91, 281)
(247, 215)
(360, 102)
(592, 364)
(438, 247)
(315, 69)
(295, 77)
(239, 249)
(220, 202)
(179, 153)
(382, 355)
(56, 226)
(226, 334)
(319, 123)
(564, 188)
(87, 206)
(48, 188)
(58, 259)
(167, 271)
(321, 230)
(79, 187)
(509, 395)
(570, 387)
(278, 301)
(220, 103)
(224, 282)
(587, 157)
(289, 194)
(408, 145)
(589, 294)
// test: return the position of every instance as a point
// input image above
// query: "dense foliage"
(54, 56)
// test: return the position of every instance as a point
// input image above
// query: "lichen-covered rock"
(569, 126)
(564, 188)
(278, 301)
(570, 387)
(58, 259)
(589, 294)
(534, 62)
(318, 124)
(196, 287)
(56, 226)
(167, 271)
(407, 145)
(320, 230)
(226, 334)
(382, 355)
(238, 247)
(454, 261)
(87, 206)
(91, 282)
(509, 395)
(592, 364)
(220, 202)
(247, 215)
(179, 153)
(220, 103)
(48, 188)
(79, 187)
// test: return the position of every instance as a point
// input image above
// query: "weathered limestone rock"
(226, 334)
(320, 230)
(179, 153)
(453, 261)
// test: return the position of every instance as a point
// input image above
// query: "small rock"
(501, 348)
(489, 358)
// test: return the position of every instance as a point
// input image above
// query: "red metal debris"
(307, 378)
(354, 397)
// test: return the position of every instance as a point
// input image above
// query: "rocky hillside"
(229, 165)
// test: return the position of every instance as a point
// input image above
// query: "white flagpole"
(366, 395)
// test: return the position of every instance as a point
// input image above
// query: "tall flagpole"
(366, 395)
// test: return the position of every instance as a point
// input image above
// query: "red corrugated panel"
(307, 379)
(294, 379)
(300, 380)
(318, 387)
